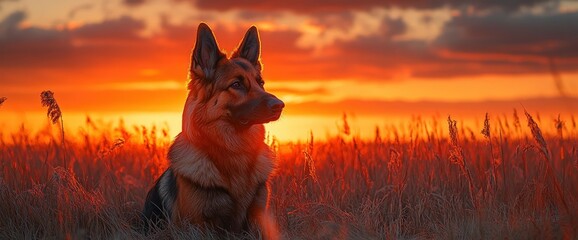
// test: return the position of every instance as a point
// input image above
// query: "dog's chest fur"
(241, 176)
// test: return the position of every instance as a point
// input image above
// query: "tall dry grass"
(54, 114)
(419, 180)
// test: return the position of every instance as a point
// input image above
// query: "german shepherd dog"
(219, 163)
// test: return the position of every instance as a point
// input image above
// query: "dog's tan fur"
(245, 181)
(219, 163)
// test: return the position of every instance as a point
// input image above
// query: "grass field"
(428, 179)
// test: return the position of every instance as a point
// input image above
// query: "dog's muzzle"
(264, 110)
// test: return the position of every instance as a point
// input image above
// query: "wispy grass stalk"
(309, 159)
(54, 114)
(560, 125)
(543, 147)
(488, 135)
(118, 143)
(346, 129)
(457, 156)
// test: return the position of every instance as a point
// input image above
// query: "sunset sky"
(374, 60)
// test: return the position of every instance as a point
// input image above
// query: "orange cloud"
(552, 106)
(115, 53)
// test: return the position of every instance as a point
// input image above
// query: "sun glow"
(287, 128)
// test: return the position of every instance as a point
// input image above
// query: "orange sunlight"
(379, 65)
(395, 119)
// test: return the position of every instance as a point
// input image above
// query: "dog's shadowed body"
(219, 163)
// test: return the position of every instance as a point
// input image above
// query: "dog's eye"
(261, 83)
(237, 85)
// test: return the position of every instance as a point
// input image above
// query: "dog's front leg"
(260, 219)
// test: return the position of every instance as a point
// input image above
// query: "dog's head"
(227, 98)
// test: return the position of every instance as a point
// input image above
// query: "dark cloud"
(19, 46)
(456, 68)
(498, 43)
(375, 57)
(393, 27)
(340, 5)
(12, 35)
(537, 35)
(502, 41)
(111, 50)
(133, 3)
(37, 47)
(121, 29)
(11, 22)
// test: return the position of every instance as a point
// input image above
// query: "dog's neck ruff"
(190, 162)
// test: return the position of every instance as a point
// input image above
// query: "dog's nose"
(275, 104)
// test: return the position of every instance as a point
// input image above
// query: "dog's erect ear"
(206, 54)
(250, 47)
